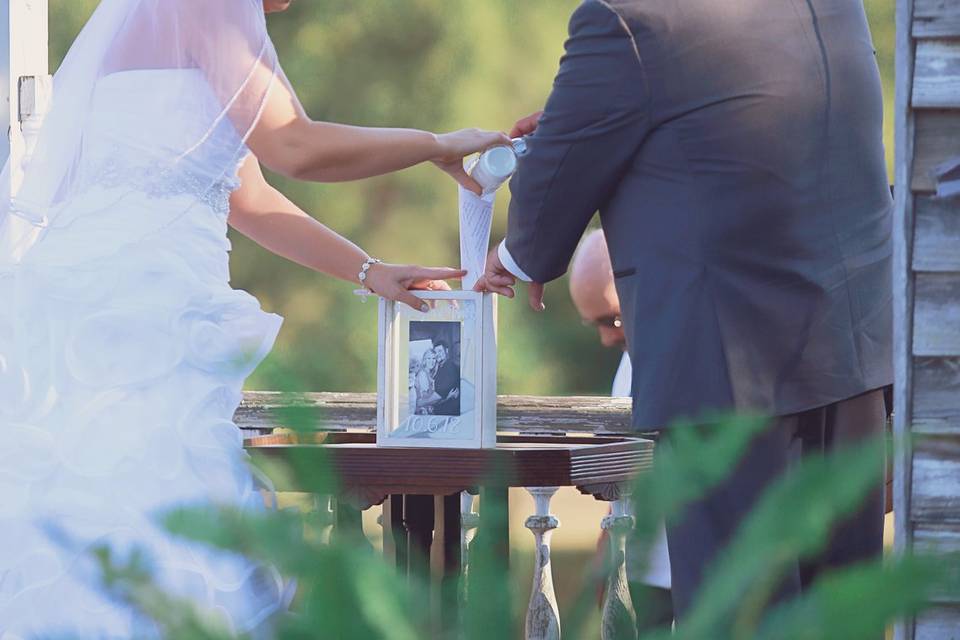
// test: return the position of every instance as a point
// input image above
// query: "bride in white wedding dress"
(123, 348)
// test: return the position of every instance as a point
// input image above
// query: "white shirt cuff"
(511, 264)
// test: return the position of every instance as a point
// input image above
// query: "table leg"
(489, 606)
(348, 526)
(394, 533)
(495, 523)
(447, 555)
(419, 520)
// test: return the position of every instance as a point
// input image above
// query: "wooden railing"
(358, 411)
(578, 418)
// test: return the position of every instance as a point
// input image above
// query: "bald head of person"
(593, 291)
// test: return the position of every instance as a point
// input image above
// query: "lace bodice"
(146, 134)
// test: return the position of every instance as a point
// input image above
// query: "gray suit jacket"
(734, 152)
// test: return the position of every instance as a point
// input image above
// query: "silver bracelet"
(362, 276)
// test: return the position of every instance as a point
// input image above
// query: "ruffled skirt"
(123, 351)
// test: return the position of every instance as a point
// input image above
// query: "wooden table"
(428, 525)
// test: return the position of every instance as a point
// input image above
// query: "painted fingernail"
(424, 307)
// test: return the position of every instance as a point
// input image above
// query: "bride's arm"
(270, 219)
(287, 141)
(227, 41)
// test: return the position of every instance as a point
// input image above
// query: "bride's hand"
(394, 281)
(455, 146)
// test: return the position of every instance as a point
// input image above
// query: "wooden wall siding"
(939, 624)
(936, 325)
(936, 240)
(936, 409)
(937, 138)
(936, 18)
(935, 498)
(939, 539)
(936, 81)
(944, 538)
(926, 237)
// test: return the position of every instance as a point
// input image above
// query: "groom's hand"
(526, 126)
(497, 279)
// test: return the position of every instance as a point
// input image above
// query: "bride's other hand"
(455, 146)
(394, 281)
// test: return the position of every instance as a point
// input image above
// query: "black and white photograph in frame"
(434, 368)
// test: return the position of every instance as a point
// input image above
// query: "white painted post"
(24, 97)
(24, 79)
(619, 620)
(543, 615)
(5, 75)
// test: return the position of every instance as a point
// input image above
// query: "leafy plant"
(345, 591)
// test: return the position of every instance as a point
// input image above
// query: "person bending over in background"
(595, 297)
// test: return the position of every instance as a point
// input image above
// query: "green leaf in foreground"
(858, 602)
(793, 519)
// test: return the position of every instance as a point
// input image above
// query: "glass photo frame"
(437, 372)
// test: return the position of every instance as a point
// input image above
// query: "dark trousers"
(654, 607)
(703, 529)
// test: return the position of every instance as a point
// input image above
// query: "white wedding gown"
(123, 350)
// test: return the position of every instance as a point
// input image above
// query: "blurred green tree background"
(436, 65)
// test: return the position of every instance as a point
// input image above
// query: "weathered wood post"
(927, 292)
(5, 75)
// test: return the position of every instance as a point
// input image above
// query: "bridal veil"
(224, 40)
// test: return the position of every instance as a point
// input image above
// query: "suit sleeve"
(594, 121)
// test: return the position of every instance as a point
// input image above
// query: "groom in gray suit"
(734, 152)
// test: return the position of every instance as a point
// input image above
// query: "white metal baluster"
(543, 615)
(325, 516)
(469, 521)
(619, 620)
